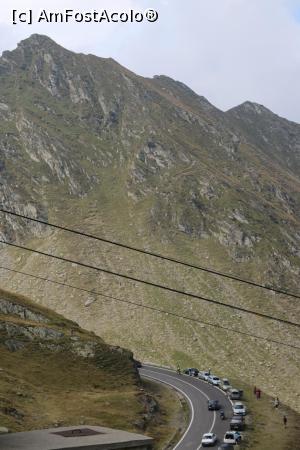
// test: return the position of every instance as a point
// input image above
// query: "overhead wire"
(156, 255)
(156, 285)
(152, 308)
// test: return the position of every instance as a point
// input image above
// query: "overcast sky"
(227, 50)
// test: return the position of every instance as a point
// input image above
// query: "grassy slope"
(40, 387)
(173, 340)
(265, 429)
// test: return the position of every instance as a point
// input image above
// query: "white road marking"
(194, 378)
(190, 385)
(186, 396)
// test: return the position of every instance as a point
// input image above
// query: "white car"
(225, 385)
(208, 439)
(204, 375)
(232, 437)
(235, 394)
(239, 409)
(213, 379)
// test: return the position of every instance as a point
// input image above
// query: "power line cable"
(156, 285)
(152, 308)
(156, 255)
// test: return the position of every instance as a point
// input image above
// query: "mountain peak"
(251, 107)
(37, 39)
(33, 45)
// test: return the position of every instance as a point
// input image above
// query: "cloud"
(228, 50)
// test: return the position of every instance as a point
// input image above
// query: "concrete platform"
(80, 437)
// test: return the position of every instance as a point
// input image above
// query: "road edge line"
(188, 399)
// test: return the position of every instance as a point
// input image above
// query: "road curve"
(196, 392)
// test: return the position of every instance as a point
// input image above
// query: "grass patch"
(265, 428)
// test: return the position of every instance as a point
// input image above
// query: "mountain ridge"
(37, 40)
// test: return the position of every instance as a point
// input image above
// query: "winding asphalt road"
(196, 392)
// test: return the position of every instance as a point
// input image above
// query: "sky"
(229, 51)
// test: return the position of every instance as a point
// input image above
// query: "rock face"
(77, 117)
(88, 144)
(10, 308)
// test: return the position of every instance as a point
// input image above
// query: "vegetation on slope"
(53, 373)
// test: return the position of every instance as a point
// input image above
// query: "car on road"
(225, 385)
(239, 409)
(214, 380)
(235, 394)
(232, 437)
(237, 423)
(209, 439)
(226, 447)
(213, 405)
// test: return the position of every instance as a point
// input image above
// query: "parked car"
(225, 385)
(237, 423)
(239, 409)
(213, 405)
(213, 379)
(193, 372)
(232, 437)
(208, 439)
(226, 447)
(235, 394)
(204, 375)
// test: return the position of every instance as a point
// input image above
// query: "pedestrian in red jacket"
(258, 394)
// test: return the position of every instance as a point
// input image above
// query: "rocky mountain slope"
(88, 144)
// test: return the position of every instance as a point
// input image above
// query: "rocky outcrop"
(14, 309)
(19, 334)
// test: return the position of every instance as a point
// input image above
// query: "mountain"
(87, 144)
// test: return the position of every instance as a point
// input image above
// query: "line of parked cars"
(231, 438)
(237, 421)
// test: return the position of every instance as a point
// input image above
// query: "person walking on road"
(284, 421)
(276, 402)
